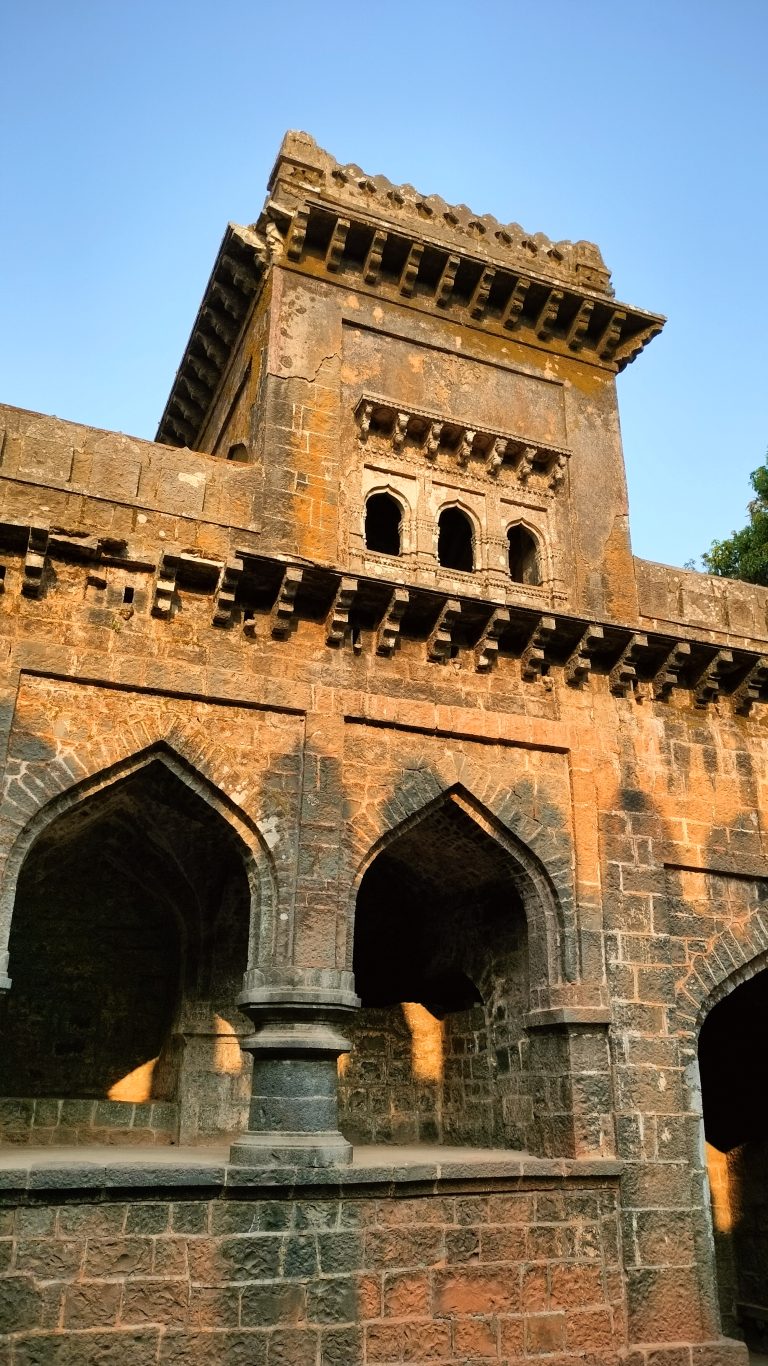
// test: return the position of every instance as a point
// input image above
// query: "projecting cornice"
(471, 268)
(302, 168)
(235, 279)
(337, 222)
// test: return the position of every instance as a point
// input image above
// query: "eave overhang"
(235, 281)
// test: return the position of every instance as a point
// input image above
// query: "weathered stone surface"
(367, 694)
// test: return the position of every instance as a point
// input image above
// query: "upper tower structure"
(423, 394)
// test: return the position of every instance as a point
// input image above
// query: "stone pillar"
(298, 1018)
(570, 1060)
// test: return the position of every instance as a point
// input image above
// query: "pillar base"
(296, 1044)
(284, 1149)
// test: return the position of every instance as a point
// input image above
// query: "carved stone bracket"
(579, 663)
(749, 690)
(533, 661)
(337, 622)
(297, 234)
(336, 245)
(285, 602)
(709, 684)
(165, 586)
(668, 676)
(487, 648)
(226, 592)
(432, 433)
(373, 259)
(441, 637)
(623, 675)
(35, 561)
(389, 627)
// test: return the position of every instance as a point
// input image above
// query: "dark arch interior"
(383, 517)
(454, 540)
(130, 924)
(440, 926)
(734, 1085)
(523, 556)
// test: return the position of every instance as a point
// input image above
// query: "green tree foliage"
(744, 554)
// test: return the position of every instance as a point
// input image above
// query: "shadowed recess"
(440, 963)
(734, 1078)
(129, 933)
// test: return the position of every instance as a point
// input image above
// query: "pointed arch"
(384, 520)
(529, 875)
(244, 831)
(524, 553)
(458, 537)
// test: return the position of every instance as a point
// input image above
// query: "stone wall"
(518, 1270)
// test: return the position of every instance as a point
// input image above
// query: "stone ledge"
(206, 1170)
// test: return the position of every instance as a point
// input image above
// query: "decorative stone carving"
(389, 627)
(668, 676)
(338, 618)
(441, 638)
(709, 684)
(623, 675)
(487, 647)
(579, 663)
(34, 562)
(227, 590)
(750, 689)
(432, 433)
(533, 661)
(285, 603)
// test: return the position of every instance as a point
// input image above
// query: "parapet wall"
(703, 602)
(380, 1270)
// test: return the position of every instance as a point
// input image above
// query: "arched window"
(238, 452)
(523, 556)
(454, 540)
(383, 516)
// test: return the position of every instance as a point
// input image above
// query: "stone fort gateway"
(383, 851)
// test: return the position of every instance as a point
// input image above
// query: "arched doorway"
(128, 943)
(441, 966)
(734, 1086)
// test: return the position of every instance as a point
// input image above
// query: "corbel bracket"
(749, 690)
(533, 661)
(35, 562)
(441, 638)
(579, 663)
(285, 602)
(668, 676)
(411, 269)
(487, 648)
(623, 675)
(389, 627)
(709, 684)
(337, 621)
(482, 289)
(165, 586)
(373, 259)
(226, 592)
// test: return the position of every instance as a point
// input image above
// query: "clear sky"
(131, 132)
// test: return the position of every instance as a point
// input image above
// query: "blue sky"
(131, 132)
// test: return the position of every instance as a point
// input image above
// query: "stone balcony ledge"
(30, 1171)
